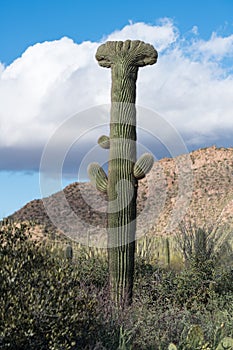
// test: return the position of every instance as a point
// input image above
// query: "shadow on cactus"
(124, 171)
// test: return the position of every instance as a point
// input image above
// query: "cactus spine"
(124, 59)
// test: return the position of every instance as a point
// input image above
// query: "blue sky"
(39, 83)
(24, 23)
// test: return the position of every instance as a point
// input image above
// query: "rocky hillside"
(197, 187)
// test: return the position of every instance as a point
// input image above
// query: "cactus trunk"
(124, 59)
(122, 192)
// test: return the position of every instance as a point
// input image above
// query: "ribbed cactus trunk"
(124, 59)
(122, 184)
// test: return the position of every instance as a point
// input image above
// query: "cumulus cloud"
(190, 86)
(161, 36)
(34, 88)
(217, 46)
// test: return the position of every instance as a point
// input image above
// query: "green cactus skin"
(167, 252)
(98, 177)
(104, 142)
(143, 165)
(124, 59)
(69, 252)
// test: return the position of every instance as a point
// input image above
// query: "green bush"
(45, 301)
(169, 303)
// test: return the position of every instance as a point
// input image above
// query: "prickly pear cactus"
(124, 59)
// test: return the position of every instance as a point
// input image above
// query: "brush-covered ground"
(50, 300)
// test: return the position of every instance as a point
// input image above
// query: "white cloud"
(30, 107)
(52, 81)
(161, 36)
(217, 46)
(195, 30)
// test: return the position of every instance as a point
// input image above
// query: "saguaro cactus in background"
(124, 59)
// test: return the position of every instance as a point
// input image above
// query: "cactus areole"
(124, 59)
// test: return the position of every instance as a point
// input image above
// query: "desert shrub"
(92, 269)
(169, 303)
(45, 302)
(223, 280)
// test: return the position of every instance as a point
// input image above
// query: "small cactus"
(98, 177)
(143, 165)
(69, 252)
(167, 252)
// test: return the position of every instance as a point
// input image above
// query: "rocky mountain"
(196, 187)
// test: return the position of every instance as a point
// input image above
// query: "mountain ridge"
(196, 187)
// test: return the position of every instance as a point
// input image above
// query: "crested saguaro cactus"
(124, 59)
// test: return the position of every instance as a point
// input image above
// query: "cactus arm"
(98, 177)
(143, 166)
(104, 142)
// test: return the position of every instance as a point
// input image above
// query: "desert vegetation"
(54, 294)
